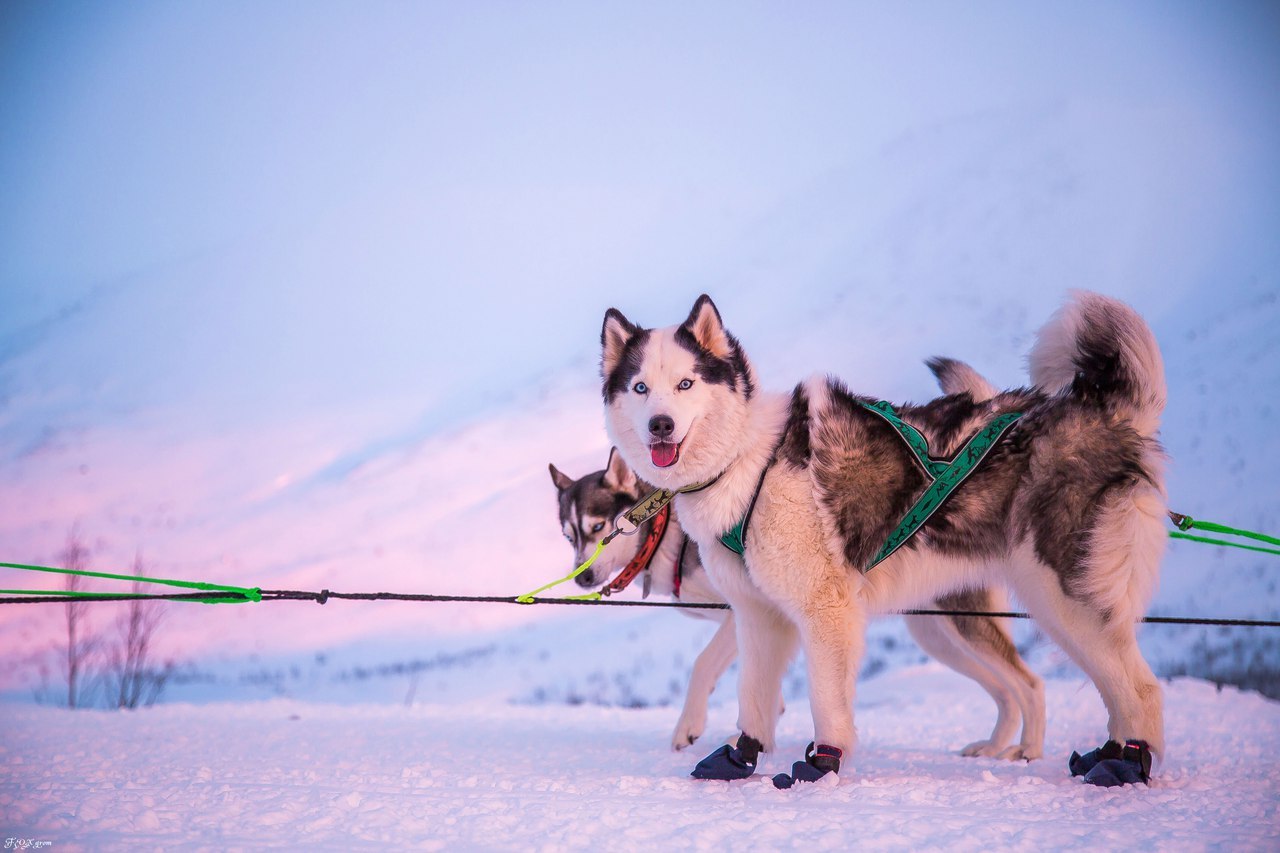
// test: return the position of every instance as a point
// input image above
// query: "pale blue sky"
(357, 196)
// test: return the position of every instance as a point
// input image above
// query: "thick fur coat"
(1067, 511)
(978, 647)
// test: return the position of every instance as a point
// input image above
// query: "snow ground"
(243, 340)
(495, 776)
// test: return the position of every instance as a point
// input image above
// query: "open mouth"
(664, 453)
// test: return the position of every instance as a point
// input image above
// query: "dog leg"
(707, 669)
(767, 643)
(1108, 653)
(834, 640)
(1106, 648)
(1027, 687)
(940, 640)
(979, 648)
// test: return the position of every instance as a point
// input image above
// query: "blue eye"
(598, 527)
(640, 388)
(685, 384)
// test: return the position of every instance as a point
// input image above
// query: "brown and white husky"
(976, 646)
(1067, 511)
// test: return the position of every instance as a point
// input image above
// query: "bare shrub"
(131, 678)
(78, 660)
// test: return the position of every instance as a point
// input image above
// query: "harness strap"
(917, 443)
(944, 477)
(735, 538)
(643, 557)
(679, 577)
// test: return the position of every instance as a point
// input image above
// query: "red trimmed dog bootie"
(819, 760)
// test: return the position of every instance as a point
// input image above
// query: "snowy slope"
(486, 776)
(376, 495)
(363, 501)
(335, 345)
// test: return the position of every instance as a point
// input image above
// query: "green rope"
(242, 595)
(649, 506)
(1174, 534)
(527, 598)
(237, 594)
(1186, 522)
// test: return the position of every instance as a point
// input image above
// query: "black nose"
(661, 427)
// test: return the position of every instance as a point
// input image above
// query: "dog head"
(675, 398)
(588, 507)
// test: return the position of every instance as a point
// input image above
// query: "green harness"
(944, 478)
(735, 538)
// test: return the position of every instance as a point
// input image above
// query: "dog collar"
(644, 556)
(652, 503)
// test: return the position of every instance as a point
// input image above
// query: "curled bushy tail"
(1099, 349)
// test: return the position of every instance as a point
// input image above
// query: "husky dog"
(1067, 511)
(976, 646)
(588, 507)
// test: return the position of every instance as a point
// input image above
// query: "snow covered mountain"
(325, 325)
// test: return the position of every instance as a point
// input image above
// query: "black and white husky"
(975, 646)
(1067, 510)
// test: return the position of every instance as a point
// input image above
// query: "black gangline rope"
(325, 595)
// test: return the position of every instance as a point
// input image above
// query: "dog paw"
(682, 740)
(730, 762)
(686, 733)
(983, 749)
(821, 765)
(1019, 752)
(1112, 765)
(1023, 752)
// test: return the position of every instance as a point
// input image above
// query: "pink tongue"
(664, 454)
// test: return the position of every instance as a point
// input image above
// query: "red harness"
(644, 556)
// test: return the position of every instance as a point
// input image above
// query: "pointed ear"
(707, 329)
(614, 337)
(562, 480)
(618, 476)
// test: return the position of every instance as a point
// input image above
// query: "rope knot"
(322, 597)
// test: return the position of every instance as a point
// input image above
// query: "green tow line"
(1186, 522)
(236, 594)
(649, 506)
(529, 597)
(638, 514)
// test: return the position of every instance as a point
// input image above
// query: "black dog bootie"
(1111, 764)
(728, 763)
(819, 760)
